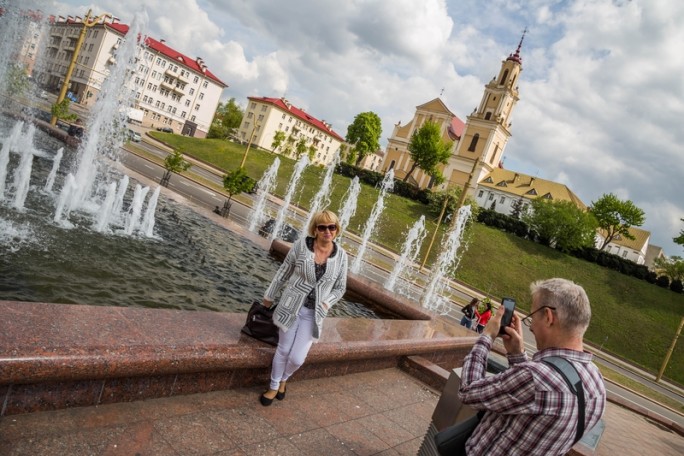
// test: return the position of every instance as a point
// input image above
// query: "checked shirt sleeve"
(510, 392)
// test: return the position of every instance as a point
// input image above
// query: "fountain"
(432, 298)
(265, 186)
(322, 198)
(280, 219)
(349, 206)
(387, 185)
(409, 252)
(53, 172)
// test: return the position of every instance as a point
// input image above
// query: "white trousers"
(293, 346)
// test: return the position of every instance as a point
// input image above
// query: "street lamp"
(87, 23)
(251, 137)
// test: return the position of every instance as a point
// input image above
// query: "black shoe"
(280, 396)
(265, 401)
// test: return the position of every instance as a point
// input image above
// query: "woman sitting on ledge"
(312, 278)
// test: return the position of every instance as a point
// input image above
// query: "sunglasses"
(322, 228)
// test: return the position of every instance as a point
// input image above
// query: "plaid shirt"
(530, 409)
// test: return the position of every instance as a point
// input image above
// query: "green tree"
(174, 163)
(236, 182)
(518, 208)
(615, 217)
(680, 239)
(364, 134)
(561, 224)
(672, 267)
(301, 147)
(278, 139)
(17, 79)
(227, 119)
(61, 110)
(453, 194)
(429, 150)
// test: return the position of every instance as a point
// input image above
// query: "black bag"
(451, 441)
(260, 324)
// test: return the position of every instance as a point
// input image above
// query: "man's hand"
(513, 339)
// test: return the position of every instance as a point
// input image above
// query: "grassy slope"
(632, 318)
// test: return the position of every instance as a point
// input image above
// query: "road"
(240, 213)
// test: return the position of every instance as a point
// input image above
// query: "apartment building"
(265, 116)
(173, 90)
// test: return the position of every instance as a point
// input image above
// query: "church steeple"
(487, 128)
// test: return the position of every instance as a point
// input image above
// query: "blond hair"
(325, 217)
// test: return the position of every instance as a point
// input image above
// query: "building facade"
(478, 145)
(265, 116)
(630, 249)
(172, 90)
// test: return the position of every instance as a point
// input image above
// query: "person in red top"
(484, 316)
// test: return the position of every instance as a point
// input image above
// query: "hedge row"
(591, 254)
(374, 178)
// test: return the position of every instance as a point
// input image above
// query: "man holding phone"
(529, 408)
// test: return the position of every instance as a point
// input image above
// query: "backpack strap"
(572, 378)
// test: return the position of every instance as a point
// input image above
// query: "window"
(197, 106)
(201, 96)
(196, 79)
(491, 197)
(90, 48)
(261, 117)
(192, 91)
(158, 61)
(479, 195)
(501, 201)
(193, 118)
(205, 84)
(473, 143)
(250, 115)
(488, 116)
(504, 77)
(624, 254)
(252, 105)
(263, 108)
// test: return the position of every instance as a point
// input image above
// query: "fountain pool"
(190, 262)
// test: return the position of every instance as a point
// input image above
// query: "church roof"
(529, 187)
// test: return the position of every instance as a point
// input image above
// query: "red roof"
(172, 54)
(196, 65)
(456, 128)
(295, 111)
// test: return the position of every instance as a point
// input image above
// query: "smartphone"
(509, 307)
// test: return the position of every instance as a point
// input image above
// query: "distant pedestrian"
(483, 314)
(469, 313)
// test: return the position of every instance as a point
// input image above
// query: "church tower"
(487, 128)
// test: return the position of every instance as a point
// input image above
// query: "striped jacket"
(297, 276)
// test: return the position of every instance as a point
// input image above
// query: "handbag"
(451, 441)
(260, 324)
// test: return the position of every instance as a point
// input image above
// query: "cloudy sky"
(601, 94)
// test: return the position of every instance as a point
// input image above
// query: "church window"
(473, 143)
(488, 116)
(504, 77)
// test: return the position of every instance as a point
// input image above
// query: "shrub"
(663, 281)
(677, 286)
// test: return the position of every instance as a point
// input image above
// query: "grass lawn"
(632, 319)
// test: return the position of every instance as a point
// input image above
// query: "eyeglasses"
(527, 321)
(322, 228)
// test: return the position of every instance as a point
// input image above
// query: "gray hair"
(569, 299)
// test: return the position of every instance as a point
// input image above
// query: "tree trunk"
(413, 168)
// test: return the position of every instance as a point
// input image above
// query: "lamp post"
(87, 23)
(251, 137)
